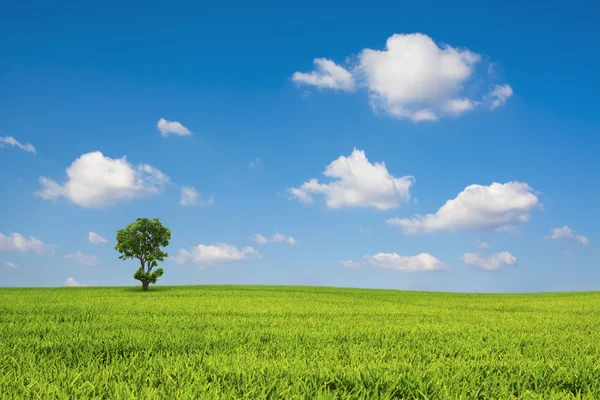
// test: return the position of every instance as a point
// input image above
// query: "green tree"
(143, 239)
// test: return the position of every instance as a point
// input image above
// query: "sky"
(416, 146)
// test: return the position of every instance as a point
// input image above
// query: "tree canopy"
(143, 240)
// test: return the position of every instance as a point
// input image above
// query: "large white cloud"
(420, 262)
(83, 259)
(356, 183)
(493, 262)
(28, 147)
(566, 234)
(167, 128)
(93, 237)
(327, 75)
(495, 207)
(277, 237)
(218, 253)
(96, 181)
(413, 78)
(20, 243)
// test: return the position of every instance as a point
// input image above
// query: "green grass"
(225, 342)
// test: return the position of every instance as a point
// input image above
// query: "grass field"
(225, 342)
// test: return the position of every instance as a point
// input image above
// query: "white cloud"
(350, 263)
(490, 263)
(277, 237)
(458, 106)
(413, 73)
(499, 95)
(191, 197)
(72, 282)
(96, 181)
(482, 245)
(582, 239)
(327, 75)
(495, 207)
(11, 265)
(83, 259)
(420, 262)
(167, 128)
(20, 243)
(28, 147)
(93, 237)
(260, 239)
(254, 163)
(356, 183)
(412, 78)
(566, 234)
(218, 253)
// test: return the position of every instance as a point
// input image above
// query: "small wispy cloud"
(350, 263)
(83, 259)
(254, 163)
(72, 282)
(214, 254)
(568, 235)
(275, 238)
(481, 245)
(191, 197)
(93, 237)
(28, 147)
(167, 128)
(23, 244)
(493, 262)
(11, 265)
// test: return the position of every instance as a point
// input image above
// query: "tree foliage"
(143, 240)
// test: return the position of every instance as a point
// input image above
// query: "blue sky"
(452, 95)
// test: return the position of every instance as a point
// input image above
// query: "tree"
(143, 239)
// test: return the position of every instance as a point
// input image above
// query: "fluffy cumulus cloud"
(83, 259)
(93, 237)
(566, 234)
(72, 282)
(414, 78)
(277, 237)
(327, 74)
(420, 262)
(11, 265)
(167, 128)
(495, 207)
(493, 262)
(20, 243)
(191, 197)
(215, 254)
(356, 183)
(11, 141)
(97, 181)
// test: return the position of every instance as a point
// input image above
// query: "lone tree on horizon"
(143, 239)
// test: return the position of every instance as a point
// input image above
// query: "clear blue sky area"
(448, 146)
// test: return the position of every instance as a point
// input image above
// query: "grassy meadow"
(253, 342)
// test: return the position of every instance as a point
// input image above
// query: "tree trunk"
(145, 285)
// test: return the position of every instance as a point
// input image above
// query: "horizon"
(400, 150)
(218, 285)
